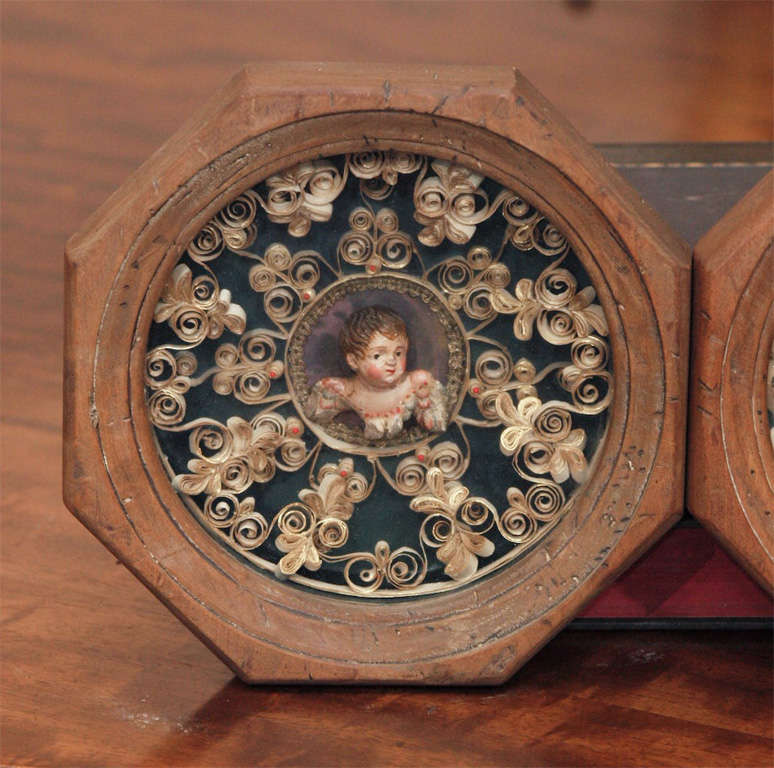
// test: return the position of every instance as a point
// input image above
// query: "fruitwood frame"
(730, 456)
(270, 117)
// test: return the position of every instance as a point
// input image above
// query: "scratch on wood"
(440, 105)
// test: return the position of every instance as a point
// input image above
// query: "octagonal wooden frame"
(730, 484)
(273, 116)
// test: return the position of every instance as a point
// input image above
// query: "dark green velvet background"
(385, 514)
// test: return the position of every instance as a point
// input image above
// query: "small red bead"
(295, 430)
(272, 375)
(476, 390)
(421, 456)
(372, 267)
(343, 473)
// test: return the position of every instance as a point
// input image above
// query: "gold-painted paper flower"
(455, 524)
(316, 524)
(197, 308)
(303, 194)
(553, 303)
(451, 204)
(541, 436)
(234, 456)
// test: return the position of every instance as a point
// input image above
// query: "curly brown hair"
(362, 324)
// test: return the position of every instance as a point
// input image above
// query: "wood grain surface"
(94, 670)
(730, 461)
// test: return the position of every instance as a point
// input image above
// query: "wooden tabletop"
(95, 671)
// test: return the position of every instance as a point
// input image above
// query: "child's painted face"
(383, 362)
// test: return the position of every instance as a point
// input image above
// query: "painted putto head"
(374, 342)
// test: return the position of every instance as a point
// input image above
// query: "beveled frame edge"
(729, 479)
(660, 256)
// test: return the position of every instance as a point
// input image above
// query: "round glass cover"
(379, 375)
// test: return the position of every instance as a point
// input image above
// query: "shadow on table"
(561, 690)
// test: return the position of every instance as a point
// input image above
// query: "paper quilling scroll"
(386, 378)
(731, 437)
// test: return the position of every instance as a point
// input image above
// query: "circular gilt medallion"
(379, 375)
(353, 364)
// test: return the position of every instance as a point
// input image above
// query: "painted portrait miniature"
(374, 342)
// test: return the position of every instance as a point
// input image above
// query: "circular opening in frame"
(409, 475)
(378, 365)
